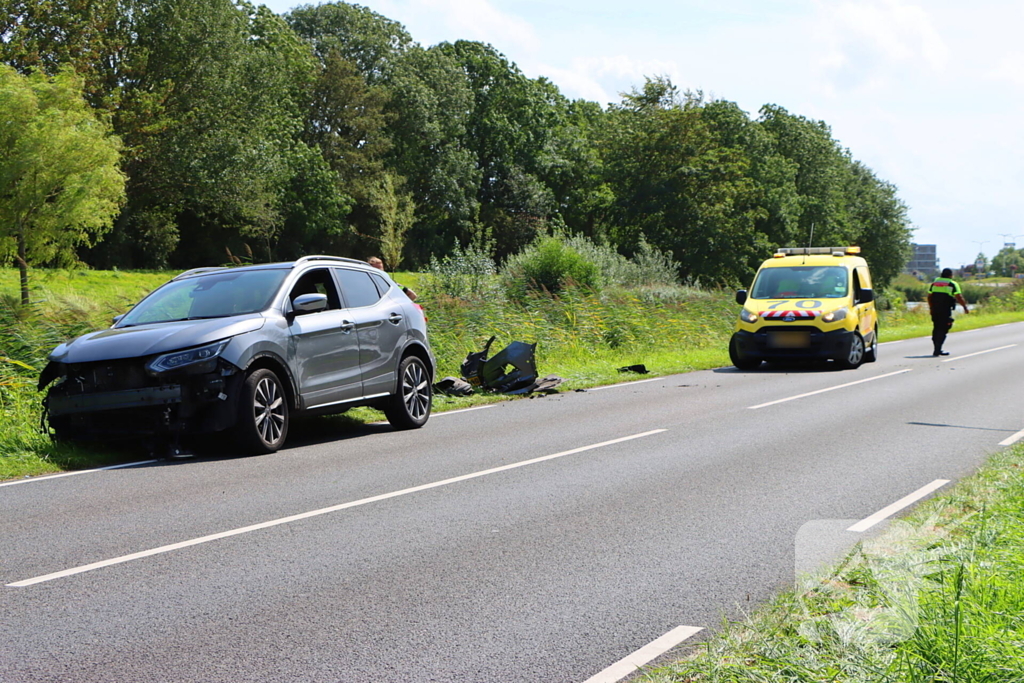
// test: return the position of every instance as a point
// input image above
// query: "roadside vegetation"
(624, 312)
(936, 597)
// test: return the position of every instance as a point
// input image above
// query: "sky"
(929, 93)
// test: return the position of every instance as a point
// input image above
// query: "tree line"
(243, 134)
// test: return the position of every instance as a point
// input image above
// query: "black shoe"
(940, 353)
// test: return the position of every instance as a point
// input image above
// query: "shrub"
(464, 274)
(549, 264)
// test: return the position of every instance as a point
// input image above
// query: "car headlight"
(748, 316)
(188, 357)
(836, 315)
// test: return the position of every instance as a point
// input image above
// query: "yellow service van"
(808, 303)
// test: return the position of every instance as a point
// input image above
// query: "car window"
(317, 281)
(382, 284)
(215, 295)
(805, 282)
(357, 288)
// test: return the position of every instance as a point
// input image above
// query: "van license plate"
(789, 340)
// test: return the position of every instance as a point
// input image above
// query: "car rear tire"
(741, 361)
(855, 356)
(871, 354)
(263, 412)
(409, 407)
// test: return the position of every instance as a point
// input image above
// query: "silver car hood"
(147, 340)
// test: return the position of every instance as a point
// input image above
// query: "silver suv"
(245, 349)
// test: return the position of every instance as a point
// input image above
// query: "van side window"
(317, 281)
(856, 285)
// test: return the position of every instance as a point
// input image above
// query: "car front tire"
(409, 407)
(263, 412)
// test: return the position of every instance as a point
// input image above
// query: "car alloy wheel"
(263, 418)
(410, 406)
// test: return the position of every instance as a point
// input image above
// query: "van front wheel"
(740, 359)
(855, 356)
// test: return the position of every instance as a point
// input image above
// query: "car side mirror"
(866, 296)
(741, 297)
(117, 318)
(309, 303)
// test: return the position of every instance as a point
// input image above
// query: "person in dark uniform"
(943, 296)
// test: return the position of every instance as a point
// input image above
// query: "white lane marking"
(630, 663)
(1013, 439)
(822, 391)
(978, 353)
(906, 501)
(71, 474)
(461, 410)
(625, 384)
(316, 513)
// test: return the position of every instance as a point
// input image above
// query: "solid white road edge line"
(978, 353)
(71, 474)
(630, 663)
(822, 391)
(1013, 439)
(906, 501)
(625, 384)
(316, 513)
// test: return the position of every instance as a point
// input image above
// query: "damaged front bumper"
(68, 404)
(121, 398)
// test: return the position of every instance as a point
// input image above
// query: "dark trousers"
(940, 328)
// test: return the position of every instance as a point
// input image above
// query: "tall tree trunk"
(23, 268)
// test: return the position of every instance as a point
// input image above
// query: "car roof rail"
(197, 271)
(317, 257)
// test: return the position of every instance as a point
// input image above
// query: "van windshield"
(801, 282)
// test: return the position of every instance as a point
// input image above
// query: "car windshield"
(801, 282)
(217, 295)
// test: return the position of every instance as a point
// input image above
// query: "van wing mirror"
(309, 303)
(866, 296)
(741, 297)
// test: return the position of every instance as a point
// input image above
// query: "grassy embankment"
(937, 597)
(583, 339)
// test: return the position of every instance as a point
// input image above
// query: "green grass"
(581, 338)
(936, 598)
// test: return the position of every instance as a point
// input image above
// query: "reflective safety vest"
(943, 285)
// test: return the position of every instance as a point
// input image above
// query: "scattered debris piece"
(639, 368)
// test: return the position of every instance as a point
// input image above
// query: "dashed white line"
(978, 353)
(625, 384)
(822, 391)
(77, 472)
(1013, 439)
(630, 663)
(316, 513)
(906, 501)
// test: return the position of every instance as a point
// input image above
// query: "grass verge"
(581, 337)
(937, 597)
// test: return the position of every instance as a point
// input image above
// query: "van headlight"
(836, 315)
(188, 358)
(748, 316)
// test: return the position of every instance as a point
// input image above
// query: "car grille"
(110, 376)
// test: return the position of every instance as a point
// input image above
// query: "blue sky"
(928, 93)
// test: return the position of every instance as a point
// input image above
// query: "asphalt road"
(534, 540)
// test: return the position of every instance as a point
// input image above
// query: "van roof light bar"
(807, 251)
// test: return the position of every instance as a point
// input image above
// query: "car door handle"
(347, 326)
(395, 318)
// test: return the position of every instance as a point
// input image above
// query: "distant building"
(924, 262)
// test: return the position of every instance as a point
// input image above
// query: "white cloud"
(1009, 69)
(868, 41)
(434, 21)
(603, 79)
